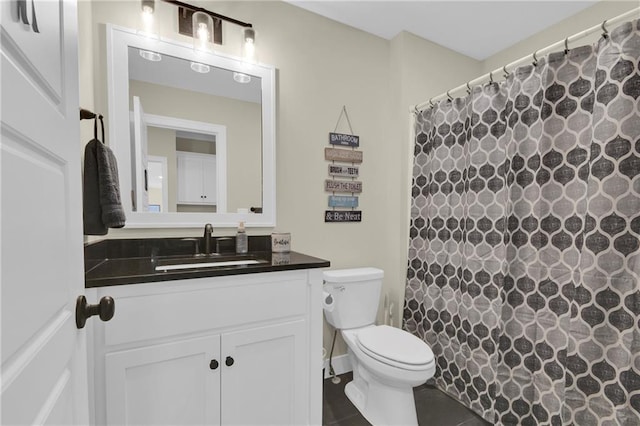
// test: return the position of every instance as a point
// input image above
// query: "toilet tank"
(356, 295)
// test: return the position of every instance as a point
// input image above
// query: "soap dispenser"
(242, 244)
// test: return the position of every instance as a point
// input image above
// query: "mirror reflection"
(196, 136)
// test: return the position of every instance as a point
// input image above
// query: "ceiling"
(478, 29)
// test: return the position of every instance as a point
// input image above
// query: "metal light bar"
(212, 14)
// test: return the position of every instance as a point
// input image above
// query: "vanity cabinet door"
(266, 382)
(176, 383)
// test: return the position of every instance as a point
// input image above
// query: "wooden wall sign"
(344, 140)
(343, 216)
(342, 186)
(343, 155)
(343, 201)
(343, 171)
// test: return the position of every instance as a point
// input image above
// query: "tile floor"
(434, 407)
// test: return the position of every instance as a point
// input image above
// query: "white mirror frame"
(118, 41)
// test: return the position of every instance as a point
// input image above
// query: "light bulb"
(203, 33)
(241, 77)
(148, 8)
(201, 68)
(249, 47)
(202, 30)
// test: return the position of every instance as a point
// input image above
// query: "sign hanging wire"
(343, 112)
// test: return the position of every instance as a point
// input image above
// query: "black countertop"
(131, 261)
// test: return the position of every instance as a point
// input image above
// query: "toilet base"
(381, 404)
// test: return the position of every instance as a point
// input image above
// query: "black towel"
(101, 200)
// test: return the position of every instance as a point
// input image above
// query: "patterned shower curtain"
(524, 260)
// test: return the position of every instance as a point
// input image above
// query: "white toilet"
(387, 362)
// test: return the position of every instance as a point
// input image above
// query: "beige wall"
(323, 65)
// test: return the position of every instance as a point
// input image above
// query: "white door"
(265, 369)
(190, 179)
(209, 177)
(141, 152)
(44, 376)
(175, 383)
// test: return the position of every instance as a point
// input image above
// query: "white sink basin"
(207, 265)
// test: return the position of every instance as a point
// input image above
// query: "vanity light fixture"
(150, 56)
(201, 68)
(241, 78)
(215, 28)
(249, 45)
(202, 31)
(148, 8)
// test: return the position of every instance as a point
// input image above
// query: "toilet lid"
(395, 345)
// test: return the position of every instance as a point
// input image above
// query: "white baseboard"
(341, 365)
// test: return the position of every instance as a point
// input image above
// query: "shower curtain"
(524, 257)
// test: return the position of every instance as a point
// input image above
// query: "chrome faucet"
(208, 233)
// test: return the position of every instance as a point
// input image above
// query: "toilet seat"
(395, 347)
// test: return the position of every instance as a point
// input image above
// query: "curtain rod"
(530, 58)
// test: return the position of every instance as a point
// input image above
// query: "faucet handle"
(196, 245)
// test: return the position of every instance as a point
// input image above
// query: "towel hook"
(605, 33)
(535, 58)
(566, 45)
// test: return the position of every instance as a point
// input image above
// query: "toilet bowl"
(387, 362)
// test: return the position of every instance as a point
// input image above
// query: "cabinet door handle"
(213, 364)
(229, 361)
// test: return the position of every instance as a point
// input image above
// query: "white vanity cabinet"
(196, 178)
(240, 349)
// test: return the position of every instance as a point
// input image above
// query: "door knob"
(213, 364)
(229, 361)
(105, 309)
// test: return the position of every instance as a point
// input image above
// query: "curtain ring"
(605, 33)
(535, 58)
(506, 73)
(415, 108)
(468, 88)
(449, 96)
(431, 103)
(491, 77)
(566, 45)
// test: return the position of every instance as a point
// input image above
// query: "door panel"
(39, 55)
(268, 374)
(43, 354)
(169, 384)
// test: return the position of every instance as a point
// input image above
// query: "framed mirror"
(193, 133)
